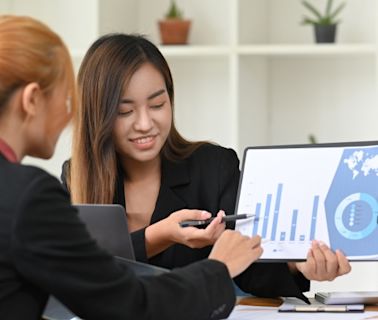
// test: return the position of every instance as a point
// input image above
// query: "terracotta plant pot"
(174, 31)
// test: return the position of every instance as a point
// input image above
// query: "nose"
(143, 121)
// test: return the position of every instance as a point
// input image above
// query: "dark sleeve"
(272, 280)
(139, 244)
(261, 279)
(228, 182)
(52, 249)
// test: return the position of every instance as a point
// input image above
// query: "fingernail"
(206, 215)
(322, 244)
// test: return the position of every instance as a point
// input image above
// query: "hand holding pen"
(196, 223)
(170, 228)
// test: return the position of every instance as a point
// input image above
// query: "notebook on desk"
(107, 224)
(300, 193)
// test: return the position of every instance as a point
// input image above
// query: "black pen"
(195, 223)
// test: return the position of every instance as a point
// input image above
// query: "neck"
(10, 133)
(138, 171)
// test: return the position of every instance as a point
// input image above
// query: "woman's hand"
(323, 264)
(236, 251)
(191, 236)
(164, 233)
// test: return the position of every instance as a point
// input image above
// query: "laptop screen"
(300, 193)
(107, 224)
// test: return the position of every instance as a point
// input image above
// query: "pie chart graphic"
(356, 216)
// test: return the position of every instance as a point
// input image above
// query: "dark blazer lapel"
(174, 175)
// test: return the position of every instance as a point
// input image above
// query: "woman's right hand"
(194, 237)
(164, 233)
(236, 251)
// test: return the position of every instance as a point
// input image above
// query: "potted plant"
(174, 29)
(324, 24)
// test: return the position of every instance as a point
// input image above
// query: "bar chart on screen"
(264, 215)
(278, 224)
(300, 195)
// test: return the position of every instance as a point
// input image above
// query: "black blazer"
(207, 180)
(45, 249)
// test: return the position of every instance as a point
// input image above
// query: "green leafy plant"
(328, 18)
(174, 12)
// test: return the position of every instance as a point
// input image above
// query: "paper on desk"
(243, 312)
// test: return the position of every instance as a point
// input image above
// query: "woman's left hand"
(323, 264)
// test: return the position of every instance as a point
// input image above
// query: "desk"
(262, 309)
(268, 302)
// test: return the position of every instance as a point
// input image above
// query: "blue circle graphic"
(351, 200)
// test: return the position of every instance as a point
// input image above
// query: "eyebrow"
(150, 97)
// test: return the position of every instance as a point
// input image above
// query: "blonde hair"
(31, 52)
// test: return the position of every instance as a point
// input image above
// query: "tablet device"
(300, 193)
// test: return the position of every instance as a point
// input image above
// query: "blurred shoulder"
(210, 152)
(23, 174)
(22, 181)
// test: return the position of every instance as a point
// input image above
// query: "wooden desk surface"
(268, 302)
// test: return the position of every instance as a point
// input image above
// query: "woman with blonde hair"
(44, 247)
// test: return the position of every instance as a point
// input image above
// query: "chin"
(45, 153)
(146, 157)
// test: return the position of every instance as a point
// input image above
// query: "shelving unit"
(251, 74)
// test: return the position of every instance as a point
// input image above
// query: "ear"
(31, 98)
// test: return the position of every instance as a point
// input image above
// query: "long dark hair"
(107, 67)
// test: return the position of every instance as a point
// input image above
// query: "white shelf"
(261, 50)
(194, 51)
(308, 49)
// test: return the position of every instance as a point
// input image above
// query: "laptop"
(300, 193)
(107, 224)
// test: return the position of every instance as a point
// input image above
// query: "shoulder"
(210, 154)
(213, 162)
(27, 181)
(22, 176)
(26, 190)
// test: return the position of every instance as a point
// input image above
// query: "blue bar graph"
(266, 215)
(270, 216)
(293, 225)
(276, 211)
(313, 217)
(256, 222)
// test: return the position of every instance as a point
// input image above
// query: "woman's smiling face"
(144, 116)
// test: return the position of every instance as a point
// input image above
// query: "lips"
(144, 143)
(143, 140)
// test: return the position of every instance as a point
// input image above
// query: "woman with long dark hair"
(127, 150)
